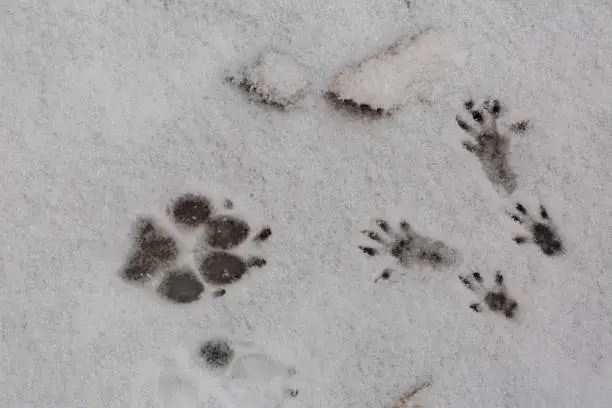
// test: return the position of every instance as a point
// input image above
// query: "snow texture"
(111, 109)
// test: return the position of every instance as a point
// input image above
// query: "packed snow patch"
(382, 82)
(275, 79)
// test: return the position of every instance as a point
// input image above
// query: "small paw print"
(489, 144)
(495, 297)
(542, 233)
(408, 247)
(192, 247)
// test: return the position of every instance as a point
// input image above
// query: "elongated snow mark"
(381, 83)
(180, 275)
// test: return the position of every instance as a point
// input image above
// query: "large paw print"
(496, 297)
(490, 146)
(198, 247)
(542, 233)
(407, 247)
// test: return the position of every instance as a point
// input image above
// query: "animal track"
(248, 372)
(152, 248)
(181, 285)
(490, 146)
(542, 233)
(190, 210)
(274, 79)
(408, 247)
(159, 254)
(496, 297)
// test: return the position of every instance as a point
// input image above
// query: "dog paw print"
(408, 247)
(489, 144)
(247, 372)
(152, 248)
(195, 247)
(495, 297)
(217, 260)
(543, 233)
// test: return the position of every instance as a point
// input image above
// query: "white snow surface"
(384, 80)
(107, 108)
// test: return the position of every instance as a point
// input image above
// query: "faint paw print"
(496, 297)
(196, 248)
(542, 233)
(408, 247)
(248, 372)
(491, 146)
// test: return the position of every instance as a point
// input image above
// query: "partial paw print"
(194, 246)
(246, 368)
(490, 145)
(543, 233)
(216, 373)
(408, 247)
(153, 247)
(495, 297)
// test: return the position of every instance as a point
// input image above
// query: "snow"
(109, 108)
(384, 80)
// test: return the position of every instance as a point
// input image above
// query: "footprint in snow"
(408, 247)
(495, 297)
(220, 373)
(542, 233)
(490, 144)
(192, 247)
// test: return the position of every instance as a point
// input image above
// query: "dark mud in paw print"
(216, 353)
(226, 232)
(542, 233)
(198, 248)
(408, 247)
(218, 266)
(489, 144)
(180, 285)
(152, 248)
(496, 297)
(190, 210)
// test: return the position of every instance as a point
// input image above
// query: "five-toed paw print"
(408, 247)
(193, 247)
(542, 233)
(490, 146)
(496, 297)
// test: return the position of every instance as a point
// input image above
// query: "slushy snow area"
(110, 109)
